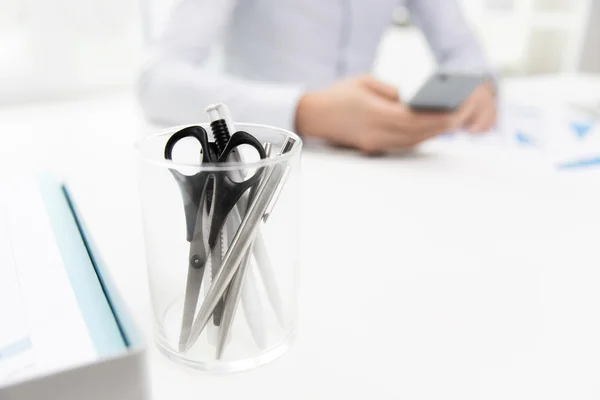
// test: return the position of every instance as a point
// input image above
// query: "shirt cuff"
(273, 105)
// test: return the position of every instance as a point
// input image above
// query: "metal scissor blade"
(198, 259)
(192, 293)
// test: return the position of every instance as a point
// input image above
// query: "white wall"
(60, 48)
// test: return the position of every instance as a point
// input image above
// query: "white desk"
(457, 275)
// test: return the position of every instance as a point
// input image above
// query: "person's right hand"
(367, 114)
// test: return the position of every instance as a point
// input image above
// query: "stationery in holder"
(221, 216)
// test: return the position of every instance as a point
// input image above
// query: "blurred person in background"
(304, 65)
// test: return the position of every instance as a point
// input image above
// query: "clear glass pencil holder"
(202, 240)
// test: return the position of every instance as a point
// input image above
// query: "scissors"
(233, 260)
(208, 198)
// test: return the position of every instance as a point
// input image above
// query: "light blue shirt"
(272, 51)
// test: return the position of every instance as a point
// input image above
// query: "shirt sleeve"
(175, 84)
(454, 45)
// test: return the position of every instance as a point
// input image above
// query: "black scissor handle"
(230, 191)
(192, 187)
(197, 132)
(239, 138)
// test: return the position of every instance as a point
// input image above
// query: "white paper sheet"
(41, 326)
(552, 134)
(562, 135)
(15, 342)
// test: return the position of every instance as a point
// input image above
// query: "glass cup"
(253, 259)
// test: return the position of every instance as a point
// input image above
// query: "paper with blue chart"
(41, 325)
(559, 135)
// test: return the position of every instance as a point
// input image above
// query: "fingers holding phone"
(469, 98)
(479, 112)
(366, 114)
(402, 118)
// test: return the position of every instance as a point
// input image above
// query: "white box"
(121, 375)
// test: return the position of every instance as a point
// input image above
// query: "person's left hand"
(478, 113)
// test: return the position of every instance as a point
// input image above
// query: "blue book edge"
(111, 328)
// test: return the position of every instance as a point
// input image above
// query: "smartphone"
(445, 92)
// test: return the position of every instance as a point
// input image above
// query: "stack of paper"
(16, 356)
(42, 328)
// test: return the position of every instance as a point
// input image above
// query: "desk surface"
(462, 273)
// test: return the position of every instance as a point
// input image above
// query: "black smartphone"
(445, 92)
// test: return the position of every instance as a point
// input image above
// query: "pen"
(250, 295)
(251, 302)
(233, 297)
(259, 247)
(240, 242)
(219, 115)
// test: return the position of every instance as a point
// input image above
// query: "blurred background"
(67, 48)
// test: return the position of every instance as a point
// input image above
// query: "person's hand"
(478, 113)
(367, 114)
